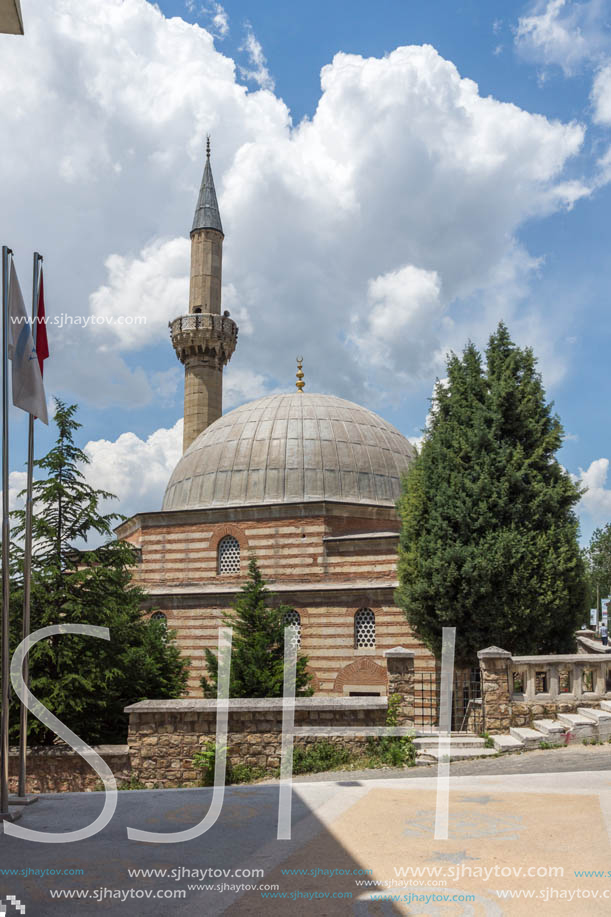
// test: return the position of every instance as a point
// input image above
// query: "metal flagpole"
(5, 813)
(22, 797)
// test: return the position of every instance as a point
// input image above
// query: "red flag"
(42, 344)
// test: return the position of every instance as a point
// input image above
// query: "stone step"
(464, 741)
(459, 754)
(602, 719)
(605, 705)
(578, 727)
(553, 730)
(507, 743)
(530, 738)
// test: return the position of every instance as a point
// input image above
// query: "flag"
(42, 344)
(28, 390)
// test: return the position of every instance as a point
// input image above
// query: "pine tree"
(257, 651)
(86, 681)
(489, 534)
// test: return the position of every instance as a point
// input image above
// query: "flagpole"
(27, 558)
(5, 813)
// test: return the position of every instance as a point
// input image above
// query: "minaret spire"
(207, 214)
(204, 340)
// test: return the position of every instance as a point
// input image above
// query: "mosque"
(307, 483)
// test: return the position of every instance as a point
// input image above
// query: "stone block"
(552, 730)
(602, 719)
(530, 738)
(507, 743)
(578, 727)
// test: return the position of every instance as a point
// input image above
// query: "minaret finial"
(300, 383)
(207, 146)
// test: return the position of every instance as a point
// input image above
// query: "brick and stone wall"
(324, 560)
(165, 735)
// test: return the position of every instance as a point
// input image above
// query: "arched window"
(161, 619)
(364, 628)
(229, 555)
(292, 619)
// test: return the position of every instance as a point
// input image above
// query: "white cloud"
(17, 481)
(596, 502)
(120, 99)
(215, 14)
(257, 71)
(240, 385)
(400, 325)
(564, 33)
(403, 167)
(601, 96)
(142, 292)
(135, 470)
(219, 19)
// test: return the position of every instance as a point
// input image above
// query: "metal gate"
(466, 700)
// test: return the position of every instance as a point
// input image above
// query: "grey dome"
(292, 448)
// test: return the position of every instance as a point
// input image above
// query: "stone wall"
(400, 664)
(496, 690)
(165, 735)
(58, 769)
(519, 689)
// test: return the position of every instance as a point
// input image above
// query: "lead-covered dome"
(292, 448)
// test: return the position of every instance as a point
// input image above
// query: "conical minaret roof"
(207, 214)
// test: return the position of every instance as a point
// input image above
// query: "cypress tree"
(86, 681)
(257, 650)
(489, 534)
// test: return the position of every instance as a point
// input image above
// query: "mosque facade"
(307, 483)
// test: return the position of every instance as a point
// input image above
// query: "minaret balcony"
(205, 336)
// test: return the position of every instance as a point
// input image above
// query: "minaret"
(204, 340)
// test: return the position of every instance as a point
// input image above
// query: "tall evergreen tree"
(86, 681)
(489, 534)
(257, 651)
(598, 563)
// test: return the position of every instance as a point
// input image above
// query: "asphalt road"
(553, 806)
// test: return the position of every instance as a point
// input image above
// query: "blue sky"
(416, 197)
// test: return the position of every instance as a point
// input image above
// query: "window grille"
(364, 628)
(292, 619)
(229, 555)
(159, 616)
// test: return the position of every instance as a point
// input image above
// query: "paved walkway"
(500, 826)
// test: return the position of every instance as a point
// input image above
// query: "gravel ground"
(548, 761)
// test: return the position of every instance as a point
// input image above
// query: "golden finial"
(300, 383)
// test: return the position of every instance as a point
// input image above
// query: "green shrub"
(393, 751)
(323, 756)
(205, 760)
(245, 773)
(132, 784)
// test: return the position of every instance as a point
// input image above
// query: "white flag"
(28, 390)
